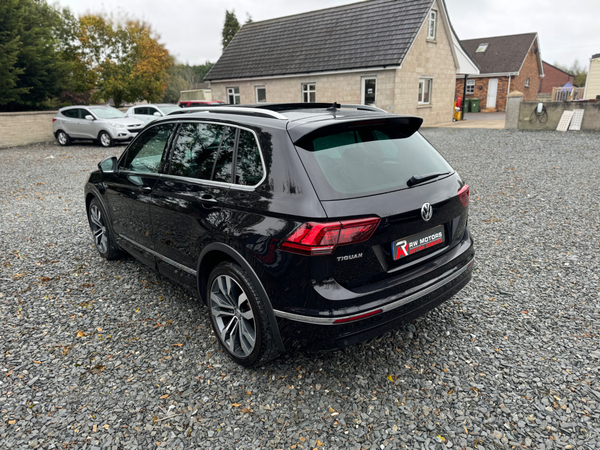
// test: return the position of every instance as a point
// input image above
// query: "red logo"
(401, 249)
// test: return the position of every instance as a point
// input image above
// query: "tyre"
(105, 139)
(63, 138)
(103, 237)
(238, 316)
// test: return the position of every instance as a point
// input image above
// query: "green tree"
(230, 28)
(128, 62)
(32, 67)
(201, 70)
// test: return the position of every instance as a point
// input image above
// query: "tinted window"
(142, 111)
(248, 169)
(145, 153)
(365, 159)
(71, 113)
(203, 151)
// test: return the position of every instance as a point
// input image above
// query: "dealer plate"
(418, 242)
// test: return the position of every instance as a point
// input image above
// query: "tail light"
(53, 119)
(463, 195)
(313, 238)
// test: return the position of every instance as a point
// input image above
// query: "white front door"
(492, 92)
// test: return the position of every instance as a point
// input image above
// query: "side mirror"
(108, 165)
(157, 114)
(89, 117)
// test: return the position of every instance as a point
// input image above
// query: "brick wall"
(481, 91)
(25, 128)
(554, 77)
(531, 70)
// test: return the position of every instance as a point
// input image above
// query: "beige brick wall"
(25, 128)
(397, 90)
(342, 88)
(428, 59)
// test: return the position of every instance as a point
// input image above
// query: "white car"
(148, 113)
(100, 123)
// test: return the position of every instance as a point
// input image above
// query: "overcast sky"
(191, 29)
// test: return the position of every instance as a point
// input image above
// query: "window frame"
(432, 25)
(231, 91)
(482, 48)
(306, 90)
(231, 185)
(470, 87)
(256, 89)
(527, 82)
(425, 81)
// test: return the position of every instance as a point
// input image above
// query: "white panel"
(565, 120)
(577, 120)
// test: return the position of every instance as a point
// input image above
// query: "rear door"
(188, 199)
(69, 122)
(365, 170)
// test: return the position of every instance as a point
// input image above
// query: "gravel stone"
(111, 355)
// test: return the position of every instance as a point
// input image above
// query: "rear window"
(357, 160)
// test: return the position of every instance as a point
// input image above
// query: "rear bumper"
(323, 333)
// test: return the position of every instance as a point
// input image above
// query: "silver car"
(148, 113)
(103, 124)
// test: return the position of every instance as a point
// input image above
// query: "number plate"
(418, 242)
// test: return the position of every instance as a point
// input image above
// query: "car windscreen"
(167, 109)
(357, 160)
(107, 113)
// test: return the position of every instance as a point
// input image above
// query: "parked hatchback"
(99, 123)
(149, 113)
(298, 225)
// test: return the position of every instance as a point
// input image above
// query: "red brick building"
(507, 64)
(554, 77)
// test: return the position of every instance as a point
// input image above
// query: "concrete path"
(477, 120)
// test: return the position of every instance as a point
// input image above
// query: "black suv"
(311, 225)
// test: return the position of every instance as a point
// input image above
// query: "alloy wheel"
(62, 138)
(233, 316)
(98, 229)
(105, 140)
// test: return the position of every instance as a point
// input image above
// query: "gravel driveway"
(100, 354)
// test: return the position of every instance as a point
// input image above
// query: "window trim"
(306, 90)
(241, 187)
(470, 84)
(256, 88)
(432, 25)
(238, 95)
(425, 80)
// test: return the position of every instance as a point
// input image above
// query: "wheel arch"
(216, 253)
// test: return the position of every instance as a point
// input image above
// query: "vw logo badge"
(426, 212)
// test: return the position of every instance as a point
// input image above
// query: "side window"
(83, 113)
(71, 113)
(203, 151)
(145, 153)
(248, 169)
(142, 111)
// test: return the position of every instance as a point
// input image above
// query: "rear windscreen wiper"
(417, 179)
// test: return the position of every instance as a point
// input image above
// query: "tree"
(128, 62)
(32, 69)
(230, 28)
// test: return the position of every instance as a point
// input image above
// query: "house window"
(432, 24)
(261, 94)
(527, 82)
(470, 86)
(233, 96)
(309, 93)
(425, 85)
(482, 48)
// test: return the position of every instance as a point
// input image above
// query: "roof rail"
(231, 110)
(292, 106)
